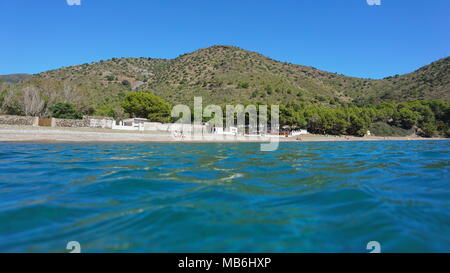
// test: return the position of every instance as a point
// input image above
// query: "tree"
(65, 110)
(10, 102)
(357, 126)
(339, 127)
(407, 118)
(32, 101)
(146, 105)
(428, 129)
(314, 125)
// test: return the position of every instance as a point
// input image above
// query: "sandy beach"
(48, 134)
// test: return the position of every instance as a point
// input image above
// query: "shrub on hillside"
(65, 110)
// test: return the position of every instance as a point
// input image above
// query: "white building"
(299, 132)
(130, 124)
(227, 131)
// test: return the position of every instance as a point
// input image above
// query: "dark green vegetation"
(65, 110)
(146, 105)
(229, 75)
(426, 118)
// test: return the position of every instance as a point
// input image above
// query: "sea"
(225, 197)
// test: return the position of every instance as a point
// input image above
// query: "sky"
(349, 37)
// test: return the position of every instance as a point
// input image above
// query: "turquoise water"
(305, 197)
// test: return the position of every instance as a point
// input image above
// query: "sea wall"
(59, 122)
(100, 122)
(19, 120)
(93, 122)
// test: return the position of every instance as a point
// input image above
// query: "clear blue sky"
(344, 36)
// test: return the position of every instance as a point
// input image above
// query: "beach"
(10, 133)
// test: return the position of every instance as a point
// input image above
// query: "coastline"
(9, 133)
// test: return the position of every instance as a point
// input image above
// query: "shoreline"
(30, 134)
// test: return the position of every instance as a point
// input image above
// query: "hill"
(225, 74)
(14, 78)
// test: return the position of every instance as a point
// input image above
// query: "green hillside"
(220, 74)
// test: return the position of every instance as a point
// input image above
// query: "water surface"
(304, 197)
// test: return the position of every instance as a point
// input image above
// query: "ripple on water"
(316, 197)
